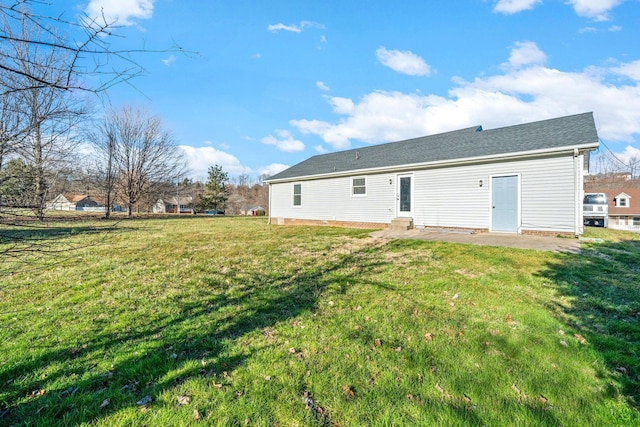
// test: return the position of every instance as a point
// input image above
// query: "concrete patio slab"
(541, 243)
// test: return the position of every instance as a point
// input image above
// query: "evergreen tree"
(215, 192)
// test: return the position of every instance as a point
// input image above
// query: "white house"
(75, 202)
(526, 178)
(173, 203)
(623, 205)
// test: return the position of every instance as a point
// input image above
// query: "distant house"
(174, 204)
(526, 178)
(624, 206)
(252, 210)
(75, 202)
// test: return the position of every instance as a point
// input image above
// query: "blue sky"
(265, 84)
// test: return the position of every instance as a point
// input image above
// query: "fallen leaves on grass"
(39, 392)
(184, 400)
(580, 338)
(445, 394)
(317, 410)
(428, 336)
(348, 392)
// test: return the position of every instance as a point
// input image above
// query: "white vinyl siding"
(444, 197)
(331, 199)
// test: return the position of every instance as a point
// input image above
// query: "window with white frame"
(359, 186)
(622, 200)
(636, 220)
(297, 194)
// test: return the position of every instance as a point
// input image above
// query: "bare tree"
(88, 54)
(48, 115)
(139, 154)
(103, 137)
(609, 162)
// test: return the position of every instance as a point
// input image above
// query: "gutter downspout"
(577, 170)
(269, 221)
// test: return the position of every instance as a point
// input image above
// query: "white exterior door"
(404, 195)
(504, 204)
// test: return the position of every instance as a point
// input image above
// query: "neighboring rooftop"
(633, 203)
(473, 142)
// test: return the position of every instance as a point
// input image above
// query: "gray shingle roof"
(559, 133)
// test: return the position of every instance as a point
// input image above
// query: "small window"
(622, 200)
(359, 187)
(636, 220)
(297, 194)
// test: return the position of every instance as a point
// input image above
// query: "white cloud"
(272, 169)
(517, 95)
(615, 28)
(378, 117)
(524, 54)
(120, 11)
(630, 70)
(284, 142)
(594, 9)
(630, 155)
(170, 60)
(509, 7)
(293, 27)
(199, 159)
(322, 86)
(404, 62)
(587, 30)
(320, 148)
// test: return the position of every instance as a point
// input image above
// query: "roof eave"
(582, 148)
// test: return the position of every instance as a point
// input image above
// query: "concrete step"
(401, 224)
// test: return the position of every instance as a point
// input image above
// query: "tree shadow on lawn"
(39, 246)
(602, 284)
(161, 353)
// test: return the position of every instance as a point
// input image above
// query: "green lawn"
(230, 321)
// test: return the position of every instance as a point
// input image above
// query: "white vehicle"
(595, 209)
